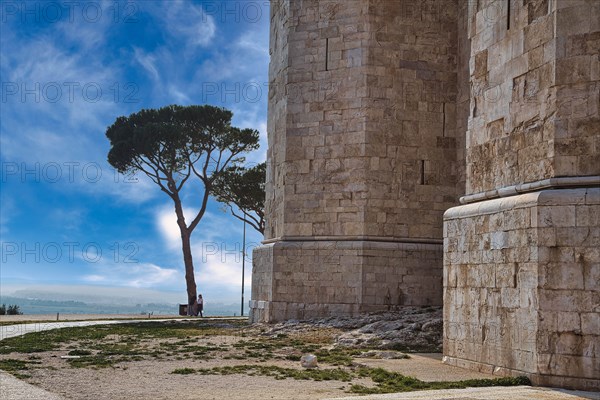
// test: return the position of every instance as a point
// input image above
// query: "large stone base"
(522, 287)
(308, 279)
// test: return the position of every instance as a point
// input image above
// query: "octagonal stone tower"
(522, 259)
(362, 156)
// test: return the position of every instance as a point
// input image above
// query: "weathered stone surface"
(383, 113)
(310, 279)
(362, 128)
(520, 291)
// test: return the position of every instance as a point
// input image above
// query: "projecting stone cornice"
(547, 197)
(551, 183)
(350, 238)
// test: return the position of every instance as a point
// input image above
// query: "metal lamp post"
(243, 263)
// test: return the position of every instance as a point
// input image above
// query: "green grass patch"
(393, 382)
(337, 356)
(97, 361)
(12, 365)
(275, 372)
(80, 353)
(184, 371)
(133, 333)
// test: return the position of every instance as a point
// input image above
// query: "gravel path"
(12, 388)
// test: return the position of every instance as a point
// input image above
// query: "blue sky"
(68, 69)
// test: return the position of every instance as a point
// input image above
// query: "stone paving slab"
(487, 393)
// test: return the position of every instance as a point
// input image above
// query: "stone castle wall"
(382, 114)
(521, 265)
(522, 287)
(534, 109)
(318, 278)
(362, 128)
(362, 118)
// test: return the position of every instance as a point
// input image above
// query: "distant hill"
(42, 306)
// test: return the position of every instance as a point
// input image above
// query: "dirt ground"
(152, 376)
(153, 379)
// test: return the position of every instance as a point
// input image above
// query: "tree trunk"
(187, 255)
(189, 270)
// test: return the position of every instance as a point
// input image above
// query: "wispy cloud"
(212, 228)
(188, 22)
(137, 275)
(175, 48)
(148, 62)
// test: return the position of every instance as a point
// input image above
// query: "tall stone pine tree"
(175, 145)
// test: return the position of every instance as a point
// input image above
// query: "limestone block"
(573, 20)
(538, 32)
(573, 70)
(556, 216)
(590, 323)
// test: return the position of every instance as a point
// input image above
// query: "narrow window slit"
(327, 54)
(444, 121)
(422, 172)
(508, 14)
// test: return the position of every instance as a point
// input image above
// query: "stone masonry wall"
(381, 114)
(321, 83)
(521, 272)
(312, 279)
(535, 82)
(362, 153)
(522, 287)
(276, 123)
(411, 125)
(362, 131)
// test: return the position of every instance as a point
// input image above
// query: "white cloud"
(136, 189)
(69, 218)
(137, 275)
(88, 29)
(74, 131)
(95, 278)
(188, 22)
(217, 273)
(166, 222)
(148, 62)
(93, 292)
(214, 227)
(216, 247)
(67, 90)
(242, 60)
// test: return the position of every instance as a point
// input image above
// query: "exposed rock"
(309, 361)
(410, 329)
(386, 355)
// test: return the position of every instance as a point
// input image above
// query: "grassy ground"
(109, 346)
